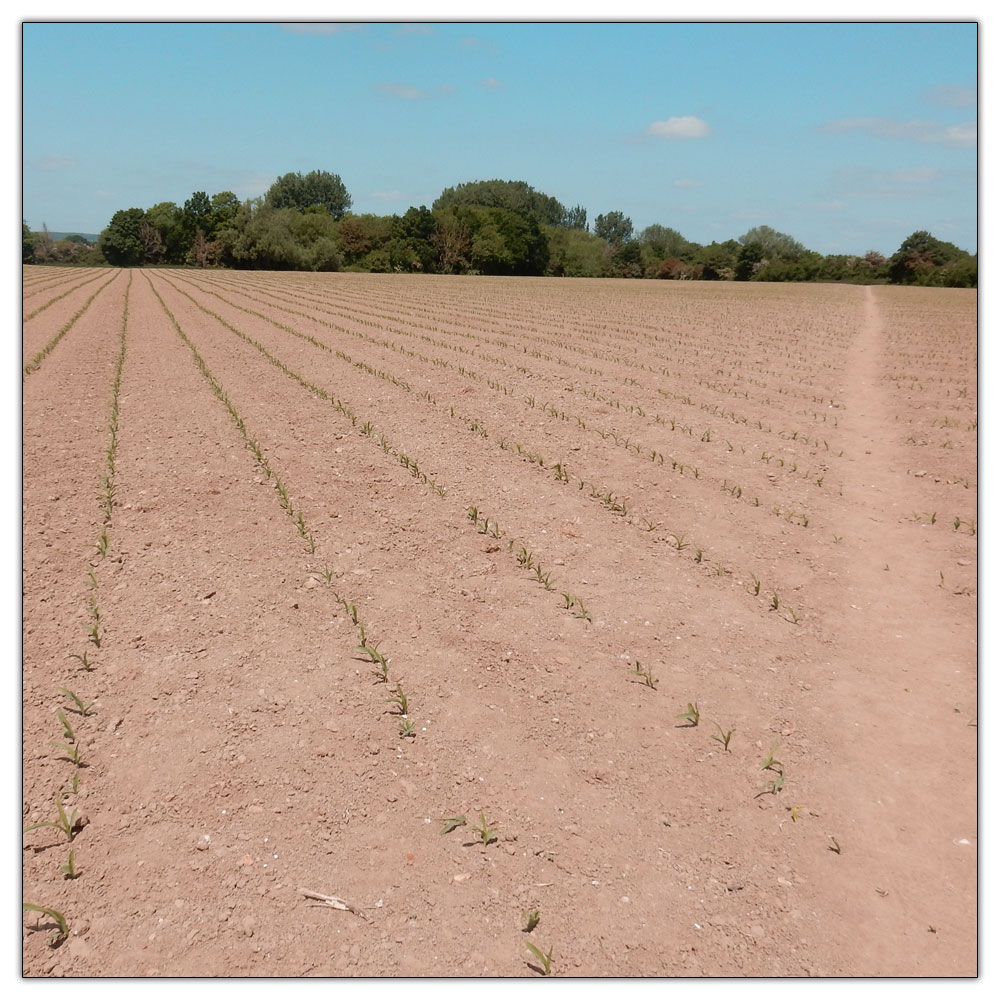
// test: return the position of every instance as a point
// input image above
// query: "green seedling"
(530, 920)
(70, 752)
(754, 587)
(775, 602)
(487, 833)
(95, 635)
(399, 700)
(102, 544)
(647, 675)
(452, 823)
(83, 709)
(370, 649)
(69, 869)
(63, 928)
(381, 669)
(770, 764)
(66, 822)
(407, 729)
(725, 735)
(546, 960)
(692, 714)
(68, 733)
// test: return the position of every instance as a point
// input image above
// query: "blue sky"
(848, 136)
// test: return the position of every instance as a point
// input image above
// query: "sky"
(847, 136)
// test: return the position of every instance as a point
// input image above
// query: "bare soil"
(759, 501)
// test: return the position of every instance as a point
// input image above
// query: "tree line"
(304, 222)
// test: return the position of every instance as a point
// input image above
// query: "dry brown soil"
(756, 500)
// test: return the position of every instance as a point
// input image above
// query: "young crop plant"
(85, 663)
(62, 928)
(67, 823)
(545, 958)
(529, 920)
(723, 737)
(69, 870)
(692, 714)
(452, 823)
(399, 699)
(81, 707)
(487, 834)
(407, 729)
(646, 675)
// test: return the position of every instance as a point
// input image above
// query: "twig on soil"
(334, 902)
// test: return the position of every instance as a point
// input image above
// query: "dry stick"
(333, 902)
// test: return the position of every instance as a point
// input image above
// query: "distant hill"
(89, 237)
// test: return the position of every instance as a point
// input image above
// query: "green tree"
(615, 227)
(575, 218)
(718, 260)
(922, 259)
(511, 196)
(575, 253)
(27, 244)
(772, 243)
(120, 243)
(318, 187)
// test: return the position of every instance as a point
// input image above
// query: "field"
(669, 589)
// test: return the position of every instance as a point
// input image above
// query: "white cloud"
(402, 91)
(490, 82)
(688, 182)
(105, 195)
(951, 95)
(55, 163)
(902, 183)
(933, 133)
(684, 127)
(912, 175)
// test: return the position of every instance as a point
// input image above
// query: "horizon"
(847, 136)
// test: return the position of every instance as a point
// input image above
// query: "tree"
(151, 241)
(318, 187)
(666, 242)
(575, 253)
(511, 196)
(773, 243)
(750, 259)
(27, 244)
(120, 243)
(575, 218)
(924, 260)
(452, 240)
(614, 227)
(718, 260)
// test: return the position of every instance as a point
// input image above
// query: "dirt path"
(902, 687)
